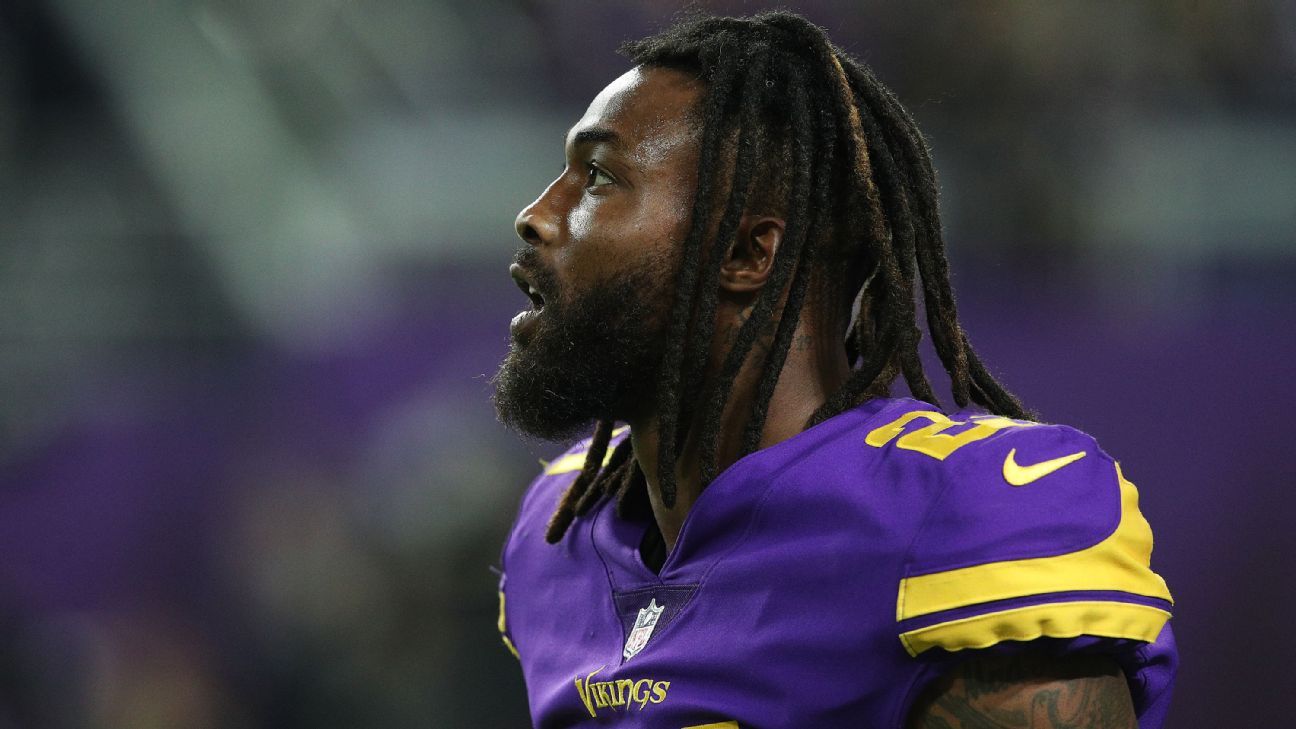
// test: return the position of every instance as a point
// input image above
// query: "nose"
(525, 229)
(536, 224)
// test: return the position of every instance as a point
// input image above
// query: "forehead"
(651, 110)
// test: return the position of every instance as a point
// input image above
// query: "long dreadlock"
(777, 89)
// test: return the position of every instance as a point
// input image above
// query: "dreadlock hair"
(781, 102)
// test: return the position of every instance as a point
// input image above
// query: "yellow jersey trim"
(509, 644)
(576, 461)
(1054, 620)
(1119, 562)
(503, 629)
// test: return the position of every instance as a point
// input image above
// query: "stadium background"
(252, 288)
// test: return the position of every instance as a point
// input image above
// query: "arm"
(1028, 692)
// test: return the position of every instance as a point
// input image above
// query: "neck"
(816, 367)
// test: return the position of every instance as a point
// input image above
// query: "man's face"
(599, 260)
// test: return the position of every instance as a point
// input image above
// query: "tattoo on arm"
(1028, 692)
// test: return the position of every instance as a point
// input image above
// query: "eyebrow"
(596, 135)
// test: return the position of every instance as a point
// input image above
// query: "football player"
(728, 265)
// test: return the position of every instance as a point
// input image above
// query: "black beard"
(588, 356)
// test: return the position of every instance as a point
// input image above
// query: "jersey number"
(932, 439)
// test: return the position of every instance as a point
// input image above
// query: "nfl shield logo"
(643, 628)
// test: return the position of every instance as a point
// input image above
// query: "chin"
(541, 402)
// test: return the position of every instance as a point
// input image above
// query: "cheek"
(585, 258)
(580, 224)
(592, 233)
(664, 224)
(609, 234)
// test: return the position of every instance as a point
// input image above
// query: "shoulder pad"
(542, 495)
(1035, 532)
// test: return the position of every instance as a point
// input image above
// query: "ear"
(750, 259)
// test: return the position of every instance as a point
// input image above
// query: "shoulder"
(1032, 531)
(1000, 533)
(1001, 489)
(973, 465)
(542, 495)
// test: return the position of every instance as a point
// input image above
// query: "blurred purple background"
(253, 287)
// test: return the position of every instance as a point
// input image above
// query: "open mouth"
(523, 326)
(528, 288)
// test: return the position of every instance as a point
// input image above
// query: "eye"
(597, 177)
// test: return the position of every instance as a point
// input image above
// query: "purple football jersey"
(826, 580)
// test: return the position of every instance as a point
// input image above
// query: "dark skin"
(624, 198)
(1035, 692)
(626, 194)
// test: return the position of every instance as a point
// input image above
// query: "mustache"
(544, 279)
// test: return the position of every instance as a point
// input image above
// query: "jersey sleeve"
(1036, 533)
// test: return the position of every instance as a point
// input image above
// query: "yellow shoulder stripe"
(1054, 620)
(576, 461)
(1119, 562)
